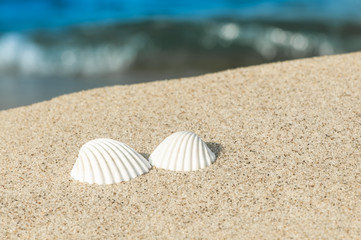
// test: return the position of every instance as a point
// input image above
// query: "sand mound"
(287, 136)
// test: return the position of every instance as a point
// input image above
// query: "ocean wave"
(23, 55)
(116, 48)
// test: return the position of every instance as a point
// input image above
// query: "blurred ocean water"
(37, 14)
(49, 47)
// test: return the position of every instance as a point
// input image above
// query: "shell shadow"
(145, 155)
(215, 147)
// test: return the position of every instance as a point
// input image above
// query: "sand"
(287, 136)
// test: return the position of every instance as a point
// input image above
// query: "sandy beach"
(287, 136)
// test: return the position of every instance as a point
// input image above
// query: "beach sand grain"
(287, 136)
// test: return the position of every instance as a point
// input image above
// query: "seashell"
(106, 161)
(182, 151)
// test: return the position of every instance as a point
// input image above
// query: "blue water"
(18, 15)
(52, 47)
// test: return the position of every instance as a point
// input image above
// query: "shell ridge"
(163, 151)
(100, 158)
(128, 170)
(195, 163)
(188, 153)
(88, 167)
(142, 160)
(182, 153)
(92, 166)
(128, 158)
(120, 155)
(123, 172)
(201, 154)
(115, 161)
(107, 159)
(98, 174)
(112, 160)
(172, 161)
(178, 163)
(138, 159)
(165, 154)
(168, 152)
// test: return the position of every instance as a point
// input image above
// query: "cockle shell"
(182, 151)
(106, 161)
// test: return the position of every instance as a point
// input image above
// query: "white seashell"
(182, 151)
(106, 161)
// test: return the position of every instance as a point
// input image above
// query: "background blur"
(53, 47)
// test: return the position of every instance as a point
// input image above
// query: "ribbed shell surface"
(182, 151)
(106, 161)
